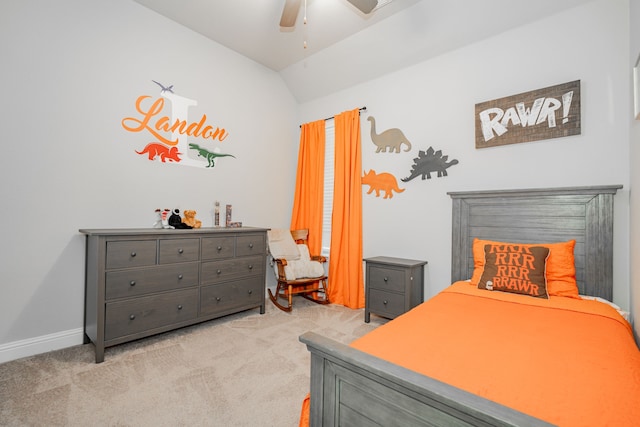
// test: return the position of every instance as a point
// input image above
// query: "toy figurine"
(191, 220)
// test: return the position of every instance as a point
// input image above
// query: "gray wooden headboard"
(540, 216)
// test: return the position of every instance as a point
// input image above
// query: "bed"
(369, 383)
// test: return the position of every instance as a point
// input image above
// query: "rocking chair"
(297, 272)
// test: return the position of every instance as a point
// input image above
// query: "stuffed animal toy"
(190, 219)
(164, 218)
(176, 222)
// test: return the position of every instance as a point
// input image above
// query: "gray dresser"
(141, 282)
(393, 286)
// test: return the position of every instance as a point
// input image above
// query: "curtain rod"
(332, 117)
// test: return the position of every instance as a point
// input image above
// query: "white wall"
(433, 104)
(71, 71)
(634, 158)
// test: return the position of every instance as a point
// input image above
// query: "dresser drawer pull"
(250, 291)
(179, 307)
(218, 298)
(251, 245)
(250, 266)
(132, 316)
(219, 248)
(180, 250)
(132, 283)
(179, 276)
(133, 254)
(385, 302)
(218, 271)
(386, 279)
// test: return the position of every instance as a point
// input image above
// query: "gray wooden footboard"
(352, 388)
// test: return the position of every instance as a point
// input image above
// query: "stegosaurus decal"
(431, 161)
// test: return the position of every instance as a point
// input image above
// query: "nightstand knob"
(250, 291)
(250, 266)
(385, 302)
(179, 276)
(217, 298)
(386, 279)
(251, 245)
(132, 316)
(180, 250)
(179, 307)
(133, 254)
(218, 271)
(132, 283)
(219, 248)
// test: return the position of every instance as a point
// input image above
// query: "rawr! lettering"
(495, 121)
(157, 125)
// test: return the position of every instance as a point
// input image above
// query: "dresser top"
(395, 261)
(166, 231)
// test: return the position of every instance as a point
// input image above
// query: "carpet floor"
(245, 369)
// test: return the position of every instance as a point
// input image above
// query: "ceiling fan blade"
(290, 13)
(364, 6)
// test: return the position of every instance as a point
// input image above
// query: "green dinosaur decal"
(209, 155)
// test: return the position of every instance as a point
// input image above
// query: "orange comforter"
(567, 361)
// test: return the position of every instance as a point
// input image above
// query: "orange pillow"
(561, 268)
(519, 269)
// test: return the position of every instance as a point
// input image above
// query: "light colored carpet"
(245, 369)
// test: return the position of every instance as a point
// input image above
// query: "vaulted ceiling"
(343, 45)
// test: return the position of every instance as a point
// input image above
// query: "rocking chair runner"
(293, 266)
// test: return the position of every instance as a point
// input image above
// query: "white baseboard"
(32, 346)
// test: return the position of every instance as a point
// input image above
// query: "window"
(327, 202)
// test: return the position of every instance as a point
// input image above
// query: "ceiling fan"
(292, 7)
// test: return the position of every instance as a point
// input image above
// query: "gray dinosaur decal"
(208, 155)
(163, 87)
(431, 161)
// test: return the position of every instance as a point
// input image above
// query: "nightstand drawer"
(237, 293)
(388, 304)
(387, 278)
(145, 313)
(179, 250)
(218, 247)
(131, 253)
(133, 282)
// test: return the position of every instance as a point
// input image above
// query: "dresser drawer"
(386, 303)
(145, 313)
(220, 271)
(131, 253)
(218, 247)
(179, 250)
(133, 282)
(386, 278)
(219, 298)
(250, 244)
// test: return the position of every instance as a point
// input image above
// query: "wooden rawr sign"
(552, 112)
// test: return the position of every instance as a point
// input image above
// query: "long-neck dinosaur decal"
(208, 155)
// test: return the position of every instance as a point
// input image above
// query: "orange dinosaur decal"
(381, 182)
(155, 149)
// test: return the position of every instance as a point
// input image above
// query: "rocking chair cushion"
(282, 245)
(303, 267)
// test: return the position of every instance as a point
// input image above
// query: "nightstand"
(393, 286)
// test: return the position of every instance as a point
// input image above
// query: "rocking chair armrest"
(280, 264)
(319, 258)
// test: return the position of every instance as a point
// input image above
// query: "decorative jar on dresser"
(141, 282)
(393, 286)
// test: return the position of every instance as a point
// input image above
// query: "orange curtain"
(346, 285)
(307, 201)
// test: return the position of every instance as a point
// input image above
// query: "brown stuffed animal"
(190, 219)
